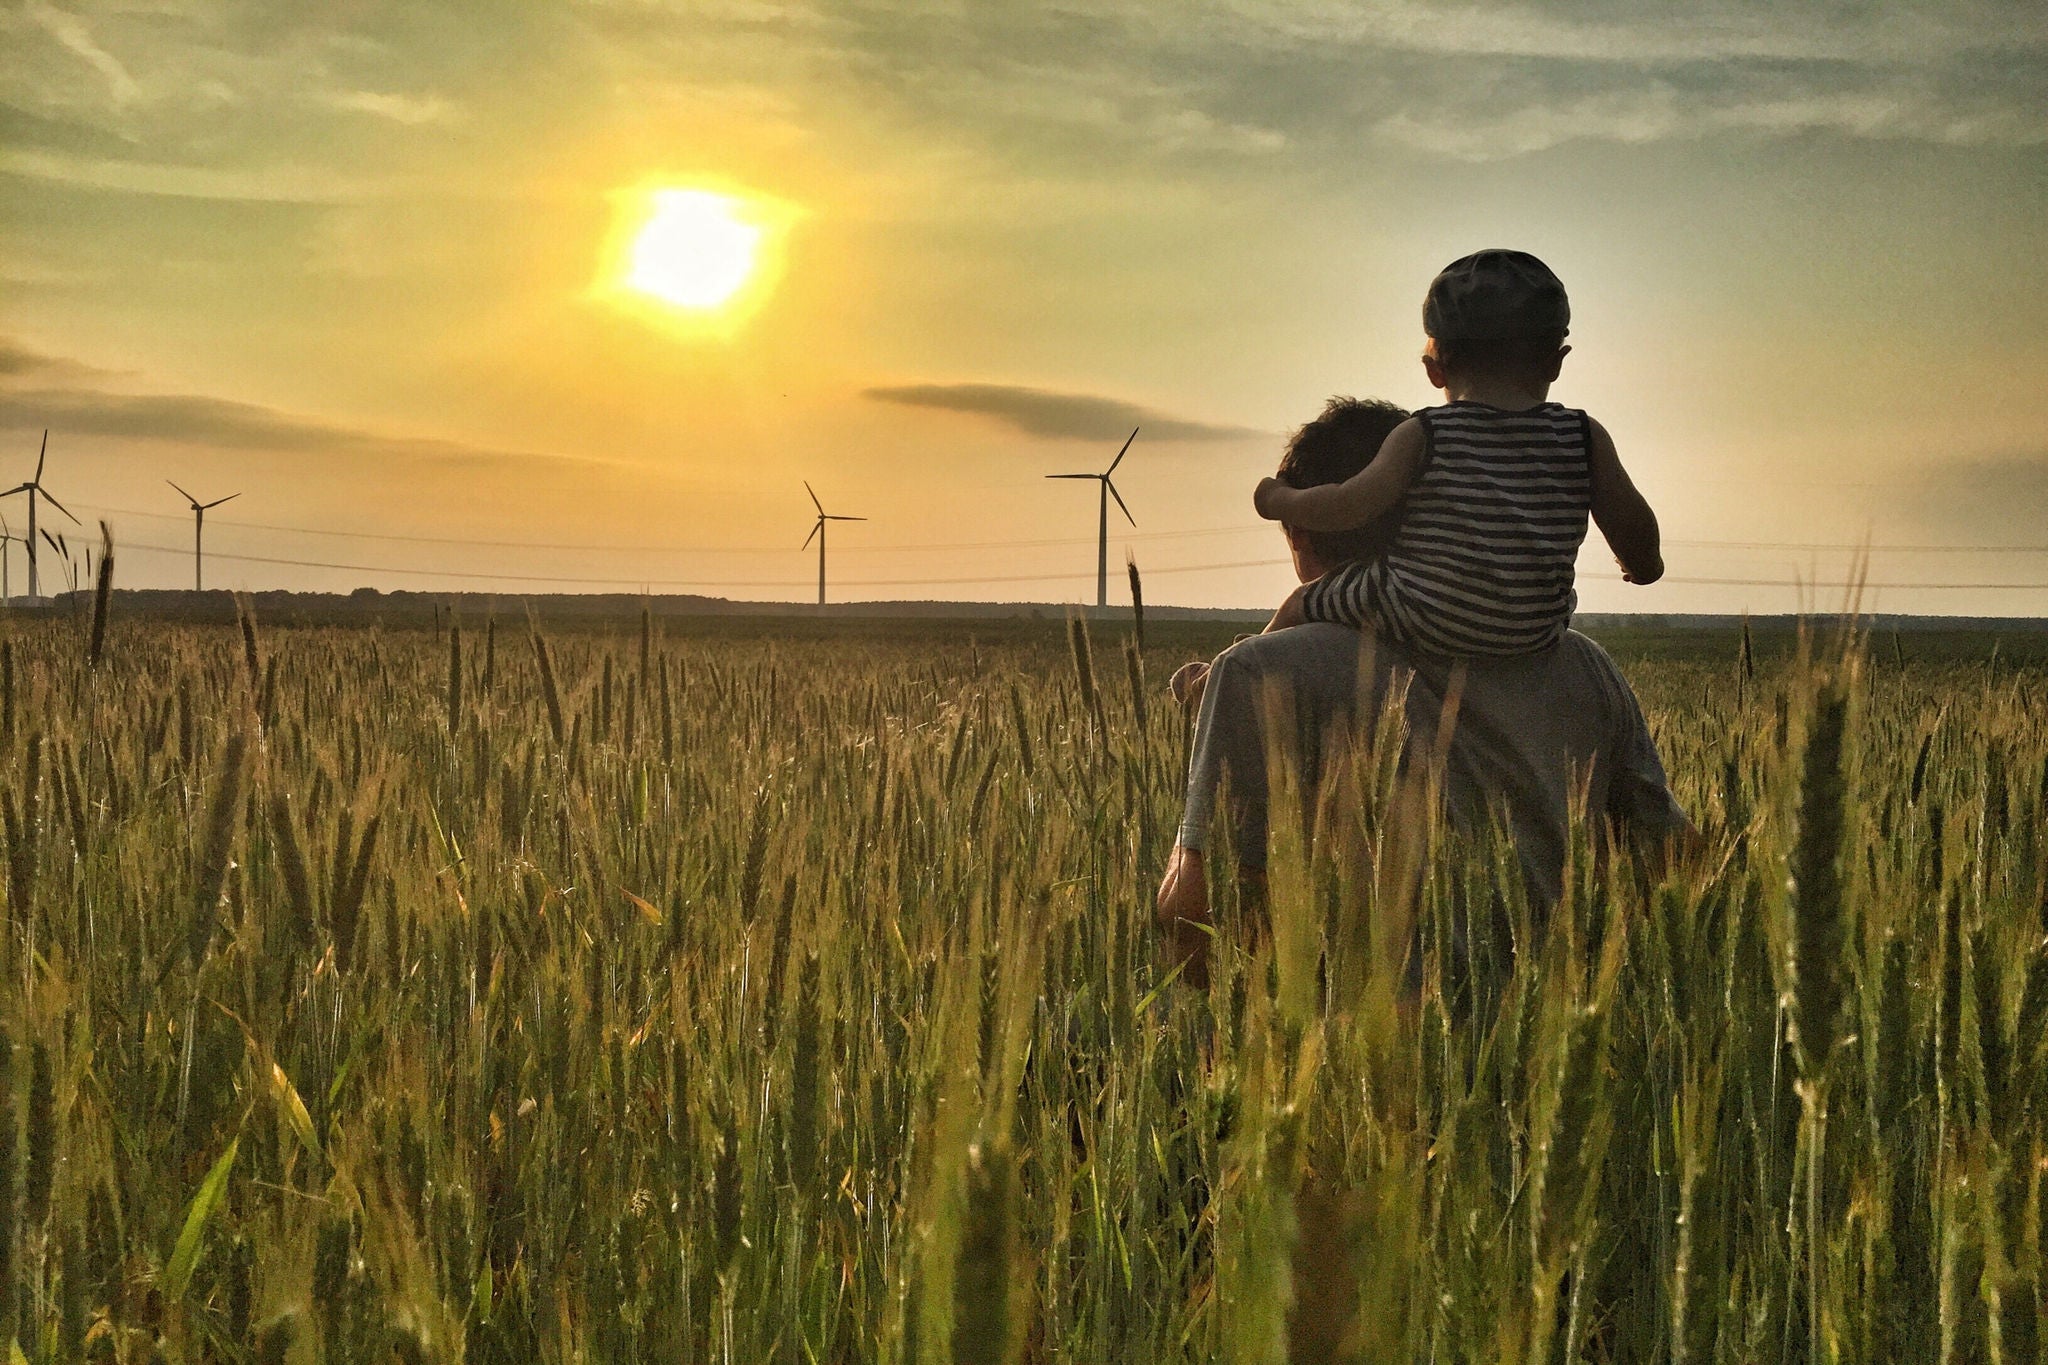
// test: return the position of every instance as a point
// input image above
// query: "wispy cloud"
(1513, 119)
(40, 391)
(1887, 31)
(269, 185)
(412, 111)
(1096, 80)
(20, 362)
(72, 34)
(1059, 416)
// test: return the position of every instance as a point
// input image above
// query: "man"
(1530, 731)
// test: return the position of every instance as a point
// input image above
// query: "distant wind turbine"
(34, 488)
(818, 534)
(7, 537)
(199, 529)
(1102, 521)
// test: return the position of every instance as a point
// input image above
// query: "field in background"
(747, 997)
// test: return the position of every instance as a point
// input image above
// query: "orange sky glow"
(578, 297)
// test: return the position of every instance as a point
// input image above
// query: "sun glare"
(697, 249)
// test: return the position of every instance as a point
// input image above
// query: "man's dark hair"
(1521, 360)
(1342, 440)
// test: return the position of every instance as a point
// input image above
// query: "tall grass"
(370, 998)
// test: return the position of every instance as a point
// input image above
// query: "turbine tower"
(34, 488)
(818, 534)
(199, 528)
(1102, 520)
(7, 537)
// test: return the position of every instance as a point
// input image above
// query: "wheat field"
(512, 994)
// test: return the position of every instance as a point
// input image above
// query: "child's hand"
(1290, 613)
(1267, 498)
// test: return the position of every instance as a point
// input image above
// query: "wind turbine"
(818, 534)
(7, 537)
(199, 528)
(33, 488)
(1102, 521)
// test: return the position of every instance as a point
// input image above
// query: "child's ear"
(1434, 368)
(1558, 364)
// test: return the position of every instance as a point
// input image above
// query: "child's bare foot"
(1186, 683)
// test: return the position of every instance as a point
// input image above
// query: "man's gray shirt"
(1531, 731)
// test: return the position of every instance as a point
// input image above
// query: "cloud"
(76, 38)
(1602, 31)
(279, 185)
(1097, 82)
(39, 391)
(413, 111)
(1466, 82)
(1502, 121)
(21, 362)
(1060, 416)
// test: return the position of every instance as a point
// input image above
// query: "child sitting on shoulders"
(1490, 492)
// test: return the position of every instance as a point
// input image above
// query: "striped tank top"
(1481, 558)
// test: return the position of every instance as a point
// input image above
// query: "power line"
(1860, 545)
(637, 581)
(1044, 543)
(588, 546)
(632, 581)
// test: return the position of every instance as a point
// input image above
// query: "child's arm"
(1290, 613)
(1360, 498)
(1622, 514)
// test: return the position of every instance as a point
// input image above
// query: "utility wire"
(632, 581)
(615, 546)
(1241, 529)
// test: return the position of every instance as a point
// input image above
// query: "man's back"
(1529, 730)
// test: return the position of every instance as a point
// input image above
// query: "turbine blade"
(1121, 453)
(1073, 476)
(218, 501)
(814, 498)
(846, 518)
(42, 455)
(58, 505)
(813, 535)
(187, 496)
(1120, 501)
(18, 488)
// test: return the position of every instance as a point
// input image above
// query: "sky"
(359, 264)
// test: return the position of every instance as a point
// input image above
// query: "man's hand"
(1182, 914)
(1270, 498)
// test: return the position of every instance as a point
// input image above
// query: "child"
(1492, 490)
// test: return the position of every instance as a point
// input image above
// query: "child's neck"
(1495, 393)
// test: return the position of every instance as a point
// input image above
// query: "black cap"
(1495, 296)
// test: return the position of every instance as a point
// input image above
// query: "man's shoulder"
(1313, 644)
(1572, 684)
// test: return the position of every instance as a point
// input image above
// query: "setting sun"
(696, 250)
